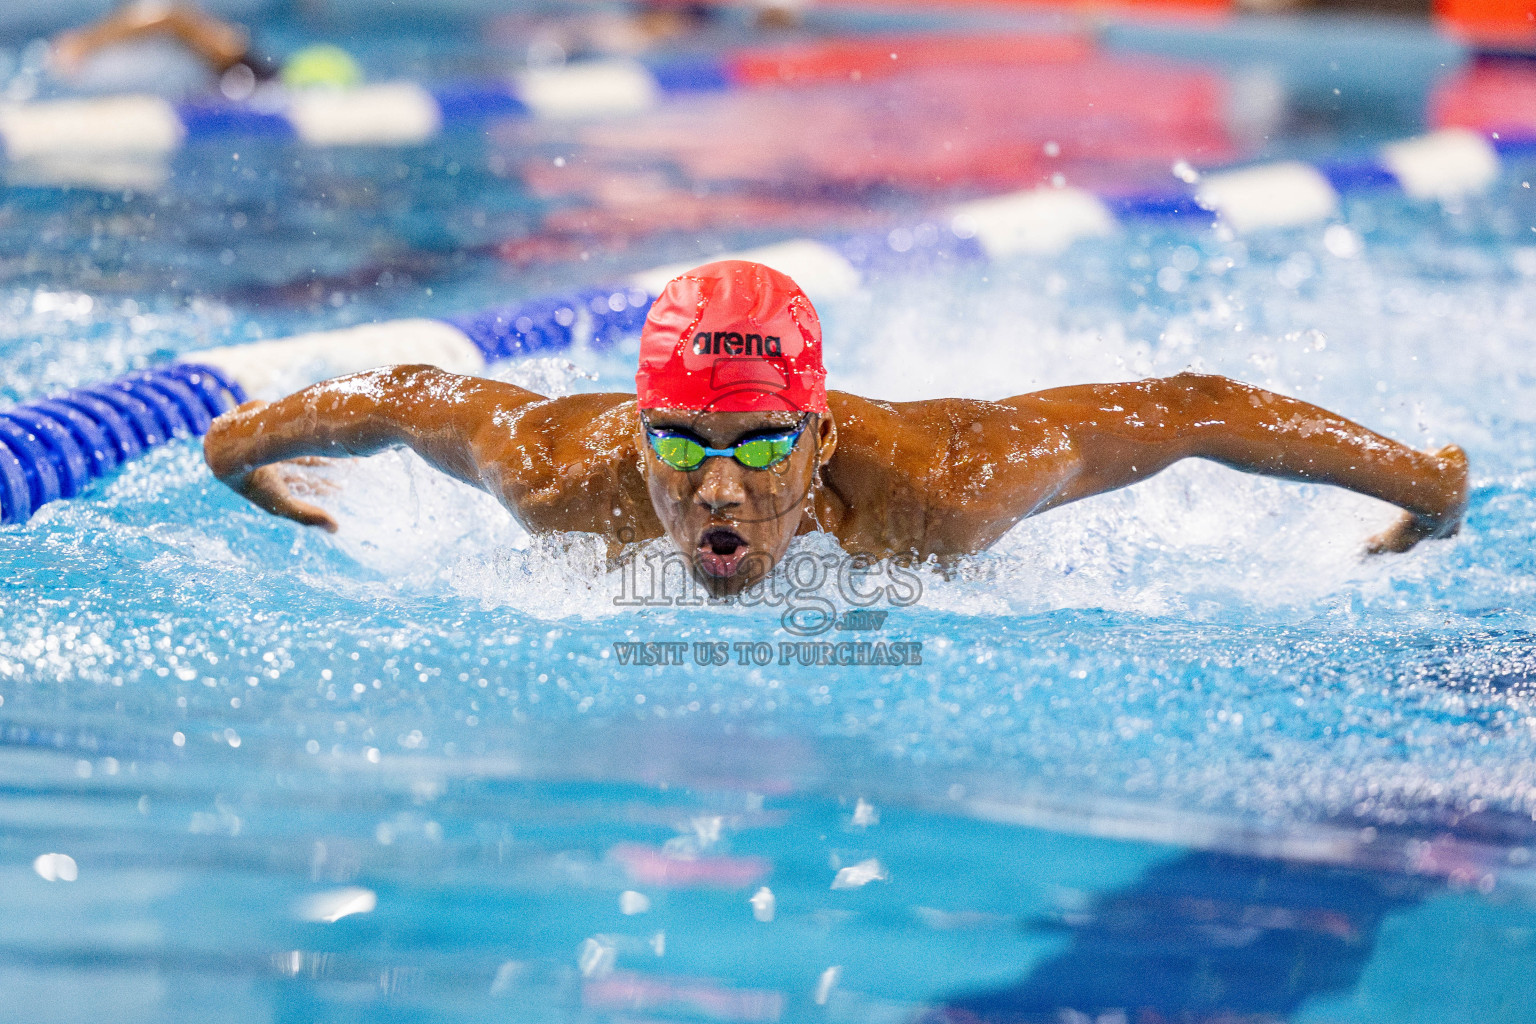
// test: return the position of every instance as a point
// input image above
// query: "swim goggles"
(683, 452)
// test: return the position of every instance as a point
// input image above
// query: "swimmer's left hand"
(1413, 527)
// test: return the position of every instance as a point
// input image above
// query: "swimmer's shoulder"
(943, 476)
(894, 469)
(564, 429)
(569, 463)
(544, 441)
(935, 425)
(938, 448)
(884, 448)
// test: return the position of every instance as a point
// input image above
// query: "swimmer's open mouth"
(721, 550)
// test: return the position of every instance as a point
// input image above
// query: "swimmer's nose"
(720, 490)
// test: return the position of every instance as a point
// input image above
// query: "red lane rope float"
(1157, 8)
(869, 60)
(1488, 96)
(1496, 24)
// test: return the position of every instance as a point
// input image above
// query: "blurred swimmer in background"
(554, 39)
(732, 445)
(164, 46)
(632, 29)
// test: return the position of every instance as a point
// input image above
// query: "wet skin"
(944, 478)
(733, 522)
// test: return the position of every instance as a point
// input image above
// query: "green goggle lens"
(762, 452)
(678, 452)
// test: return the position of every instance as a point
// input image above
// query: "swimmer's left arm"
(1122, 433)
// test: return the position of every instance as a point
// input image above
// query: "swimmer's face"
(732, 522)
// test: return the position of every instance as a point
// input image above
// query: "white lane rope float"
(53, 448)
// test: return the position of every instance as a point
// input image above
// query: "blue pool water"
(1176, 753)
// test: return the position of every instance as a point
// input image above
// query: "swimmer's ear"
(826, 437)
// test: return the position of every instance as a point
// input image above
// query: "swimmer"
(632, 29)
(732, 444)
(223, 47)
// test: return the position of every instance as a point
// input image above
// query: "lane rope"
(54, 447)
(407, 113)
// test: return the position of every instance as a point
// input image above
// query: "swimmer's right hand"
(272, 487)
(1413, 527)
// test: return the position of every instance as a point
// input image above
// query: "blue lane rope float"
(54, 447)
(63, 450)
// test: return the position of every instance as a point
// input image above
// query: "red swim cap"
(732, 336)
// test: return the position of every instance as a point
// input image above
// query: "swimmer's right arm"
(457, 424)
